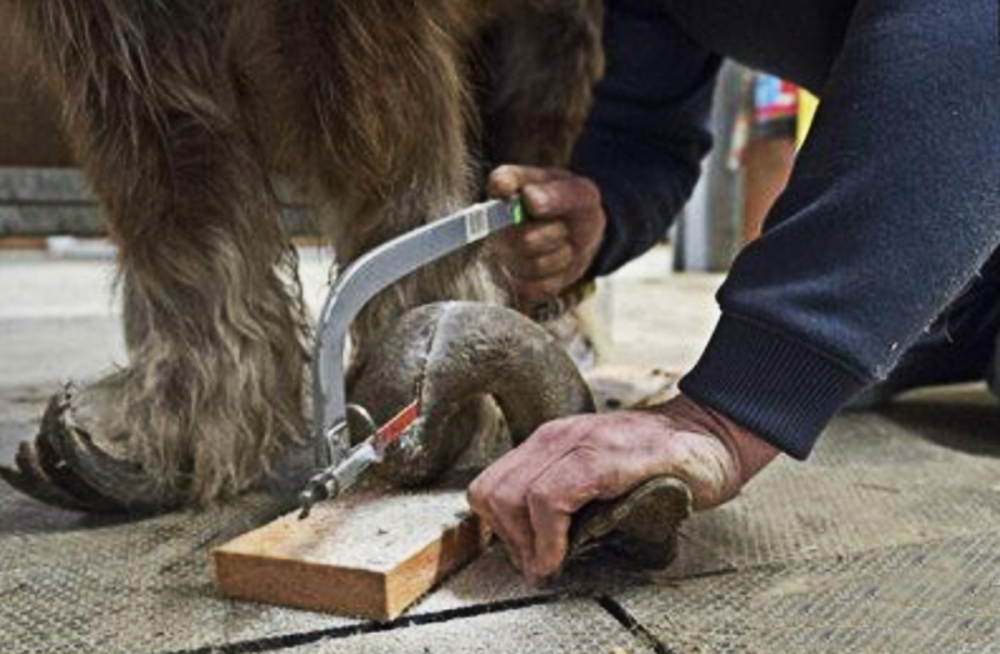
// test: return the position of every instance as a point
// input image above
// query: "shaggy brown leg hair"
(378, 118)
(542, 62)
(395, 153)
(374, 118)
(376, 124)
(213, 326)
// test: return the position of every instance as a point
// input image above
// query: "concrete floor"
(888, 540)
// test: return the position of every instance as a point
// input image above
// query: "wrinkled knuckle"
(564, 258)
(534, 239)
(507, 180)
(555, 231)
(537, 268)
(506, 172)
(558, 261)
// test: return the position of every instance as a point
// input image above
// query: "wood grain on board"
(371, 554)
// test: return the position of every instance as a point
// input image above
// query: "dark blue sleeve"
(648, 130)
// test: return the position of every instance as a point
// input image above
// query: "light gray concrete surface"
(659, 318)
(885, 541)
(572, 626)
(936, 596)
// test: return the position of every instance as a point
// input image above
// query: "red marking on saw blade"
(399, 423)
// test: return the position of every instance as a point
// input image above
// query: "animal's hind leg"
(378, 125)
(543, 60)
(212, 391)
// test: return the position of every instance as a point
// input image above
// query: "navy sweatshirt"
(892, 210)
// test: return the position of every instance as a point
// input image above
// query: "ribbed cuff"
(782, 390)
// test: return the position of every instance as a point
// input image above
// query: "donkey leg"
(212, 392)
(386, 157)
(543, 60)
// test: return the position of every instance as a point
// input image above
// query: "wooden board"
(371, 554)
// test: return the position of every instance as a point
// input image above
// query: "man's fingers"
(500, 495)
(497, 496)
(530, 493)
(513, 526)
(551, 528)
(550, 545)
(552, 499)
(548, 192)
(563, 209)
(539, 269)
(534, 239)
(564, 197)
(539, 263)
(508, 180)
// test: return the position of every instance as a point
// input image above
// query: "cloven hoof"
(452, 355)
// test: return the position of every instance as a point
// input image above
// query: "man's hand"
(555, 248)
(528, 496)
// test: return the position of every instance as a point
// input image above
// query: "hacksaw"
(341, 465)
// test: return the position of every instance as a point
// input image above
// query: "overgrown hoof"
(449, 356)
(640, 526)
(64, 468)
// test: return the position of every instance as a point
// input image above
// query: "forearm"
(647, 132)
(642, 194)
(891, 212)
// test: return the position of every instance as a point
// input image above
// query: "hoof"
(640, 526)
(449, 355)
(64, 468)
